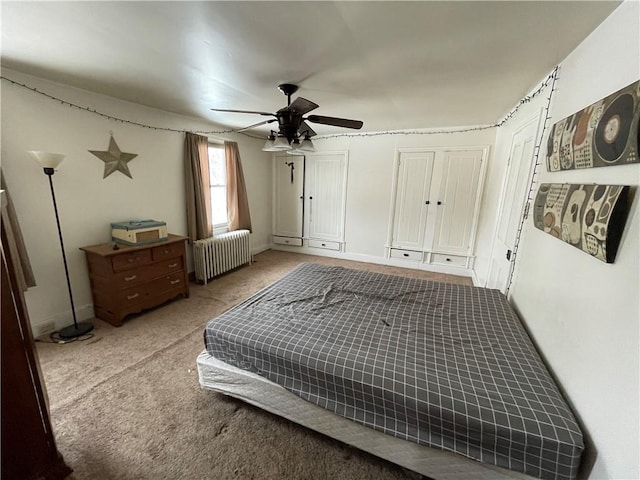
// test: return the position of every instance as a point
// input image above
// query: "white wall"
(583, 313)
(87, 203)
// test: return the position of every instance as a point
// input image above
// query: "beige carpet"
(127, 404)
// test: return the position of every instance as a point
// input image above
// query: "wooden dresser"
(131, 279)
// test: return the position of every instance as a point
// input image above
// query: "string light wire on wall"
(111, 117)
(553, 77)
(550, 80)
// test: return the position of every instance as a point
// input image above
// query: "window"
(218, 186)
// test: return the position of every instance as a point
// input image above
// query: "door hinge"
(526, 210)
(510, 255)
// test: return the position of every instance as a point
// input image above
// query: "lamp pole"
(77, 329)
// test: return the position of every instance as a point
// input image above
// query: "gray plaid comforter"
(443, 365)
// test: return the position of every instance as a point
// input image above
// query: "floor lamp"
(49, 161)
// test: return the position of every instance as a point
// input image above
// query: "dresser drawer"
(444, 259)
(170, 250)
(126, 261)
(324, 244)
(406, 254)
(293, 241)
(143, 274)
(144, 291)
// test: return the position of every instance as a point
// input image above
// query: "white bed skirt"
(221, 377)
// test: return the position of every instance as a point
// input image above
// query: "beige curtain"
(237, 203)
(196, 164)
(24, 273)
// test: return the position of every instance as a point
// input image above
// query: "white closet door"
(456, 201)
(325, 193)
(288, 195)
(413, 182)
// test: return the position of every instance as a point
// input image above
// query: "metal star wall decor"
(114, 159)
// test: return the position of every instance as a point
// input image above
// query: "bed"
(438, 378)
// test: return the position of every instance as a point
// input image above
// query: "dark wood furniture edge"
(56, 469)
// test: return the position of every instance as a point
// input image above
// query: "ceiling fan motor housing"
(289, 122)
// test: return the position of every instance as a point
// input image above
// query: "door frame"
(503, 190)
(274, 192)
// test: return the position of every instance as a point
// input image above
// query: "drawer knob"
(324, 244)
(132, 277)
(173, 282)
(131, 297)
(173, 265)
(131, 259)
(405, 254)
(448, 259)
(166, 251)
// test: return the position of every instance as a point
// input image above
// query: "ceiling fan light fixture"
(268, 146)
(307, 145)
(281, 143)
(295, 147)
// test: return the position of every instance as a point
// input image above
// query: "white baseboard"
(358, 257)
(61, 320)
(260, 249)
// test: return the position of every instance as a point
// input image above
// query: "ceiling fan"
(292, 123)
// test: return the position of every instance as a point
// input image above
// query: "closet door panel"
(288, 195)
(325, 182)
(457, 197)
(413, 183)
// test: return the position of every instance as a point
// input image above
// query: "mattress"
(441, 365)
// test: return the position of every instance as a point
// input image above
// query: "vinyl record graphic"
(612, 132)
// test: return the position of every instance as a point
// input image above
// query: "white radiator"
(216, 255)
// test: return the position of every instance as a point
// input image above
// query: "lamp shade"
(46, 159)
(268, 146)
(307, 145)
(295, 147)
(281, 143)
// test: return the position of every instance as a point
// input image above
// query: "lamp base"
(74, 331)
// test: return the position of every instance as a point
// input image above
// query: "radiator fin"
(215, 255)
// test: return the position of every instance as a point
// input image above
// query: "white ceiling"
(394, 65)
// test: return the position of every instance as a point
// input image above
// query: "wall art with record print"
(588, 217)
(602, 134)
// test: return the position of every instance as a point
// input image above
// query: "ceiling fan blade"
(255, 125)
(338, 122)
(302, 105)
(305, 129)
(241, 111)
